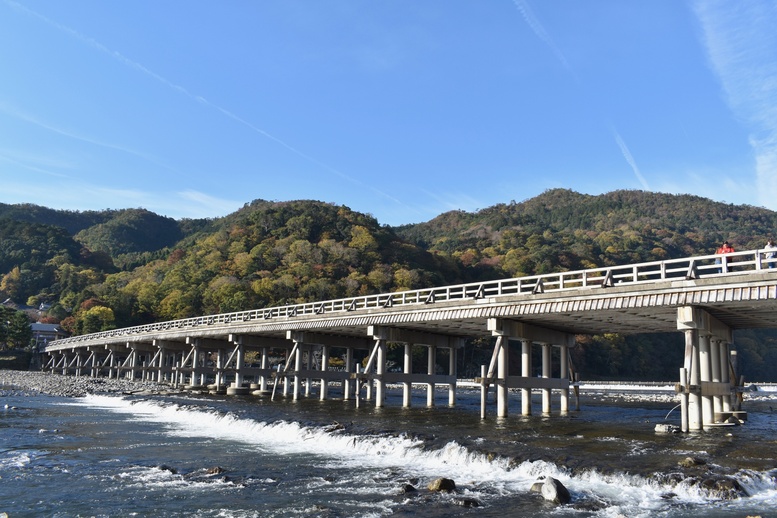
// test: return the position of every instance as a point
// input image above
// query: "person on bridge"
(771, 254)
(725, 248)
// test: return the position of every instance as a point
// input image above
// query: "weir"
(289, 351)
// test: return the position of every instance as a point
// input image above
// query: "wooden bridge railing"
(686, 268)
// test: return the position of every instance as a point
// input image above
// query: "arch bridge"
(704, 297)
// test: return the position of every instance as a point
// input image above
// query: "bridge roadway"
(705, 297)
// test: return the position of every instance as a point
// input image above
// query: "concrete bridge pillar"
(452, 371)
(239, 364)
(502, 371)
(564, 374)
(701, 379)
(195, 365)
(705, 376)
(289, 359)
(694, 380)
(349, 367)
(160, 363)
(263, 378)
(546, 374)
(95, 371)
(112, 365)
(431, 371)
(380, 370)
(79, 363)
(526, 363)
(725, 374)
(408, 369)
(528, 335)
(219, 376)
(308, 361)
(324, 368)
(715, 360)
(297, 368)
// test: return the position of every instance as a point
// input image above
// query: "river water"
(247, 456)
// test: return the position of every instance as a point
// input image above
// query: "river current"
(245, 456)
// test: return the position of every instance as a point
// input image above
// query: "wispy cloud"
(539, 30)
(31, 119)
(74, 195)
(741, 44)
(630, 159)
(197, 98)
(36, 164)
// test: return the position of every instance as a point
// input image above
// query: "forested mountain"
(562, 229)
(131, 231)
(72, 221)
(117, 268)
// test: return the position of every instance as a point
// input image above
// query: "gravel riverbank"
(31, 382)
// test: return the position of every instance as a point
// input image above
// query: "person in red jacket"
(724, 249)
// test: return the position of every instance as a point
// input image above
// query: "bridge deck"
(628, 299)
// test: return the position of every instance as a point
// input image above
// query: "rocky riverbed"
(31, 382)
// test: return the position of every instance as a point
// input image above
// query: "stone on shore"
(36, 382)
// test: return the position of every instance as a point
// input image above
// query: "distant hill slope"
(131, 230)
(562, 229)
(72, 221)
(115, 232)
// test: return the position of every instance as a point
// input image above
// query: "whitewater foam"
(482, 475)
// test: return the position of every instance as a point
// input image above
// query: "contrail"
(137, 66)
(541, 33)
(630, 160)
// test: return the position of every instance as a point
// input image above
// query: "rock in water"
(555, 491)
(442, 484)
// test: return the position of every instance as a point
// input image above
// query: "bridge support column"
(195, 365)
(704, 382)
(564, 374)
(349, 368)
(431, 367)
(239, 363)
(453, 352)
(95, 371)
(528, 334)
(717, 400)
(526, 363)
(725, 375)
(324, 368)
(408, 369)
(694, 379)
(308, 365)
(380, 370)
(503, 363)
(219, 376)
(297, 367)
(705, 376)
(546, 374)
(79, 363)
(111, 365)
(264, 365)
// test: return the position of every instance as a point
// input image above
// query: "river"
(246, 456)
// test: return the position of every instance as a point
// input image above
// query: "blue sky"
(403, 109)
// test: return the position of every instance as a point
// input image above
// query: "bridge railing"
(736, 263)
